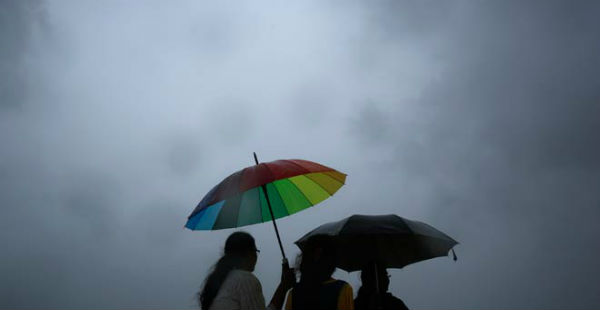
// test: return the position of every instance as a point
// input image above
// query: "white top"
(241, 290)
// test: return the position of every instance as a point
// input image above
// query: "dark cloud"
(478, 118)
(20, 23)
(504, 140)
(92, 201)
(160, 226)
(372, 125)
(16, 28)
(408, 19)
(182, 153)
(309, 103)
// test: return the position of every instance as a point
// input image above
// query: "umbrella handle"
(376, 277)
(285, 262)
(379, 300)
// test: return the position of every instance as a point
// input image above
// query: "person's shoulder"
(339, 284)
(245, 277)
(342, 283)
(332, 280)
(395, 302)
(345, 295)
(244, 274)
(346, 287)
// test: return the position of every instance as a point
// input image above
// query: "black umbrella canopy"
(389, 240)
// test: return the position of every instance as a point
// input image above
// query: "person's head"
(239, 253)
(240, 246)
(368, 276)
(317, 264)
(318, 259)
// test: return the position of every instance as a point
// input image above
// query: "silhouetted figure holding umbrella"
(373, 294)
(317, 289)
(232, 286)
(256, 194)
(389, 240)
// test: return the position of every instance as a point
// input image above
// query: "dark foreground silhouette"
(232, 285)
(373, 294)
(317, 289)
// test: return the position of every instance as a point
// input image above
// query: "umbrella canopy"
(239, 200)
(389, 240)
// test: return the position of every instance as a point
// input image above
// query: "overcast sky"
(480, 118)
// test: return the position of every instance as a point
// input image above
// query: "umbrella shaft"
(264, 188)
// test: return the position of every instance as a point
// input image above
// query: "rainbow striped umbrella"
(265, 192)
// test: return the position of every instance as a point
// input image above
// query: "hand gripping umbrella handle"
(264, 188)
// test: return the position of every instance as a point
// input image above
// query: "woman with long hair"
(231, 285)
(317, 289)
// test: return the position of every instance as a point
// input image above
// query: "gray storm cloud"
(478, 118)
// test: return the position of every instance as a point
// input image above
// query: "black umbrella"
(390, 241)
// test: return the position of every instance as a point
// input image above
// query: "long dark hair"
(237, 245)
(317, 264)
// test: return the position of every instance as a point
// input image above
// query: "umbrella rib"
(319, 185)
(273, 177)
(450, 239)
(303, 194)
(260, 205)
(284, 204)
(241, 178)
(314, 181)
(276, 189)
(303, 168)
(270, 173)
(324, 174)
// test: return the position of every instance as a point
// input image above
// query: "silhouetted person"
(232, 286)
(370, 298)
(317, 289)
